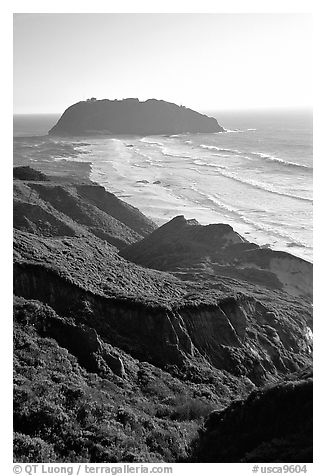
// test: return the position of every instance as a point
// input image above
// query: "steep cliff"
(156, 317)
(131, 116)
(77, 398)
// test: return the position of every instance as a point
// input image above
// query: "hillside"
(51, 208)
(272, 425)
(118, 362)
(194, 251)
(131, 116)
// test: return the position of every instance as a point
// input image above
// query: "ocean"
(257, 176)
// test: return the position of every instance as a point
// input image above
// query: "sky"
(208, 62)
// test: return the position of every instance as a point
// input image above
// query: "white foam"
(168, 153)
(258, 226)
(213, 147)
(263, 186)
(238, 130)
(279, 160)
(150, 141)
(260, 155)
(252, 183)
(141, 154)
(233, 130)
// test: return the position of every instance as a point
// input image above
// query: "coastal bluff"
(139, 343)
(131, 116)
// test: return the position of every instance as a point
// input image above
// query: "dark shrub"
(32, 450)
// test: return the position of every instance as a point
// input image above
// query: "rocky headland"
(138, 343)
(197, 252)
(131, 116)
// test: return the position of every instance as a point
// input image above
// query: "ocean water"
(257, 176)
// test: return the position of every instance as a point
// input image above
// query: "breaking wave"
(222, 170)
(219, 149)
(272, 158)
(258, 226)
(256, 155)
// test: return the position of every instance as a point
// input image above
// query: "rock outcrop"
(194, 251)
(131, 116)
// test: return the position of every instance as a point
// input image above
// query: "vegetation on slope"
(63, 412)
(273, 424)
(116, 362)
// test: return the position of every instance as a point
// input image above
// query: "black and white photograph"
(162, 240)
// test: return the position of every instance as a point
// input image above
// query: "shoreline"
(78, 171)
(162, 188)
(161, 205)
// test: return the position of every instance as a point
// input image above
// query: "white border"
(168, 6)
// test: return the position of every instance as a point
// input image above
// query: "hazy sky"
(203, 61)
